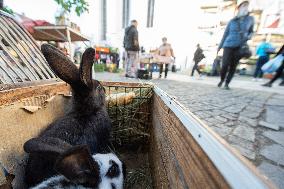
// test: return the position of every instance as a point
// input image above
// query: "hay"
(120, 98)
(140, 178)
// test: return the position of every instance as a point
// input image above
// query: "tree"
(5, 8)
(80, 6)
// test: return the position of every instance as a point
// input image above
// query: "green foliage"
(8, 10)
(99, 67)
(80, 6)
(118, 70)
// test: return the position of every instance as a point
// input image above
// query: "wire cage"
(129, 107)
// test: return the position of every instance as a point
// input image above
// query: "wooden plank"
(167, 169)
(23, 60)
(26, 52)
(4, 32)
(159, 174)
(21, 74)
(29, 75)
(4, 70)
(191, 168)
(31, 44)
(14, 95)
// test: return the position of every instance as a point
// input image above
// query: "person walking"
(131, 45)
(237, 32)
(279, 71)
(198, 56)
(262, 52)
(165, 50)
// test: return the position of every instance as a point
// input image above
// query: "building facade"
(115, 15)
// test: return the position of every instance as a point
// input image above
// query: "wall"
(173, 19)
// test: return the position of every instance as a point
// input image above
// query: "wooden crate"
(184, 153)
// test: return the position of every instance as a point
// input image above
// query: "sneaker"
(160, 76)
(226, 87)
(220, 84)
(267, 85)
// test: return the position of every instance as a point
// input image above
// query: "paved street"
(249, 118)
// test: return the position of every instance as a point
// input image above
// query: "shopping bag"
(174, 69)
(273, 64)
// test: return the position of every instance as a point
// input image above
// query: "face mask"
(243, 10)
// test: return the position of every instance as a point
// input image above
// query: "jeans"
(229, 63)
(260, 62)
(132, 61)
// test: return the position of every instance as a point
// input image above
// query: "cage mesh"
(131, 121)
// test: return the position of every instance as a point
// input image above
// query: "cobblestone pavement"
(252, 121)
(242, 118)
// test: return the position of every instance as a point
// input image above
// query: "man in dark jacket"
(131, 46)
(198, 56)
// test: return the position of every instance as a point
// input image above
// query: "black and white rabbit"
(76, 168)
(87, 123)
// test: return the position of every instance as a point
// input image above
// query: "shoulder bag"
(244, 51)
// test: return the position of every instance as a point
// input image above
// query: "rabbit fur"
(77, 169)
(87, 123)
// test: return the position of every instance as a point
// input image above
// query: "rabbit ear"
(60, 64)
(48, 144)
(78, 166)
(86, 67)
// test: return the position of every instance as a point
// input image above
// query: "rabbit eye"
(113, 186)
(113, 170)
(100, 88)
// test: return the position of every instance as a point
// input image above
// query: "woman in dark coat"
(238, 31)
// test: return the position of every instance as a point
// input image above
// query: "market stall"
(42, 30)
(58, 34)
(148, 60)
